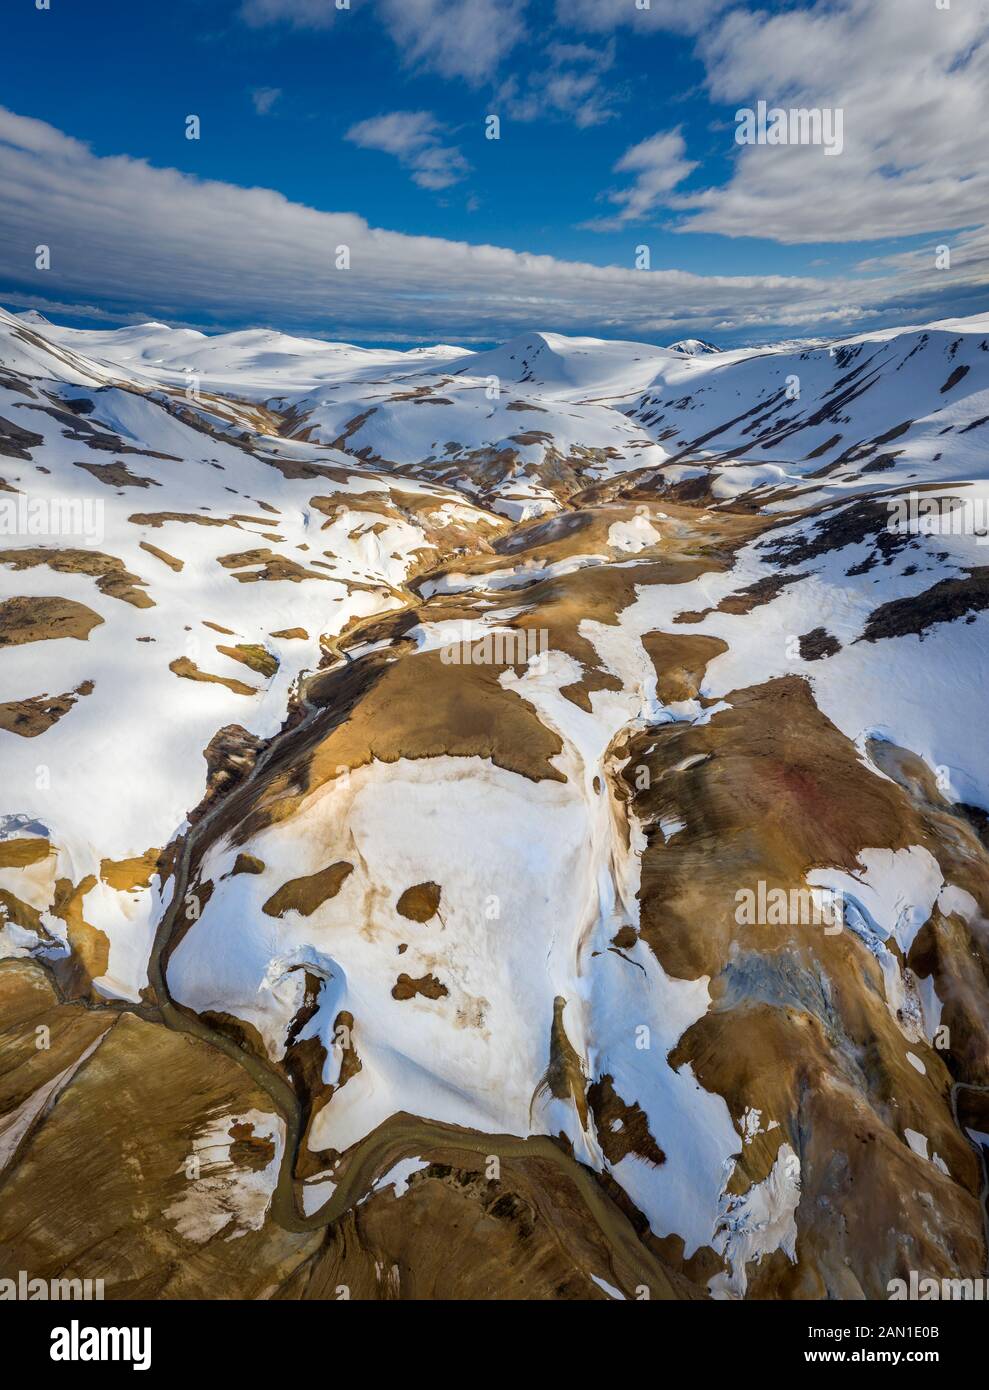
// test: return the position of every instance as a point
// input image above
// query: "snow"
(566, 364)
(891, 898)
(919, 1143)
(258, 362)
(223, 1198)
(692, 347)
(609, 1289)
(633, 536)
(893, 894)
(398, 1176)
(760, 1221)
(109, 780)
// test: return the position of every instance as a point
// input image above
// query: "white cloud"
(569, 84)
(415, 139)
(911, 80)
(659, 164)
(143, 240)
(264, 98)
(601, 16)
(456, 38)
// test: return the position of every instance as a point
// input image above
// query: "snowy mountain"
(493, 823)
(32, 317)
(692, 347)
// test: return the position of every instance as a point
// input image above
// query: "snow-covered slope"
(424, 735)
(252, 362)
(202, 572)
(870, 411)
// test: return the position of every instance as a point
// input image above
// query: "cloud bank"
(142, 241)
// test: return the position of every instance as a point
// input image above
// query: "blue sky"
(379, 111)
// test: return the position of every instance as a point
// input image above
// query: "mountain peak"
(692, 347)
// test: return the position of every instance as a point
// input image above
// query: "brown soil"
(129, 875)
(90, 946)
(816, 645)
(305, 895)
(420, 902)
(256, 657)
(251, 565)
(164, 557)
(407, 988)
(188, 670)
(35, 715)
(247, 864)
(944, 602)
(680, 662)
(157, 519)
(117, 475)
(621, 1128)
(44, 620)
(111, 577)
(21, 853)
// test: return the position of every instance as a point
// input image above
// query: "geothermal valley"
(486, 825)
